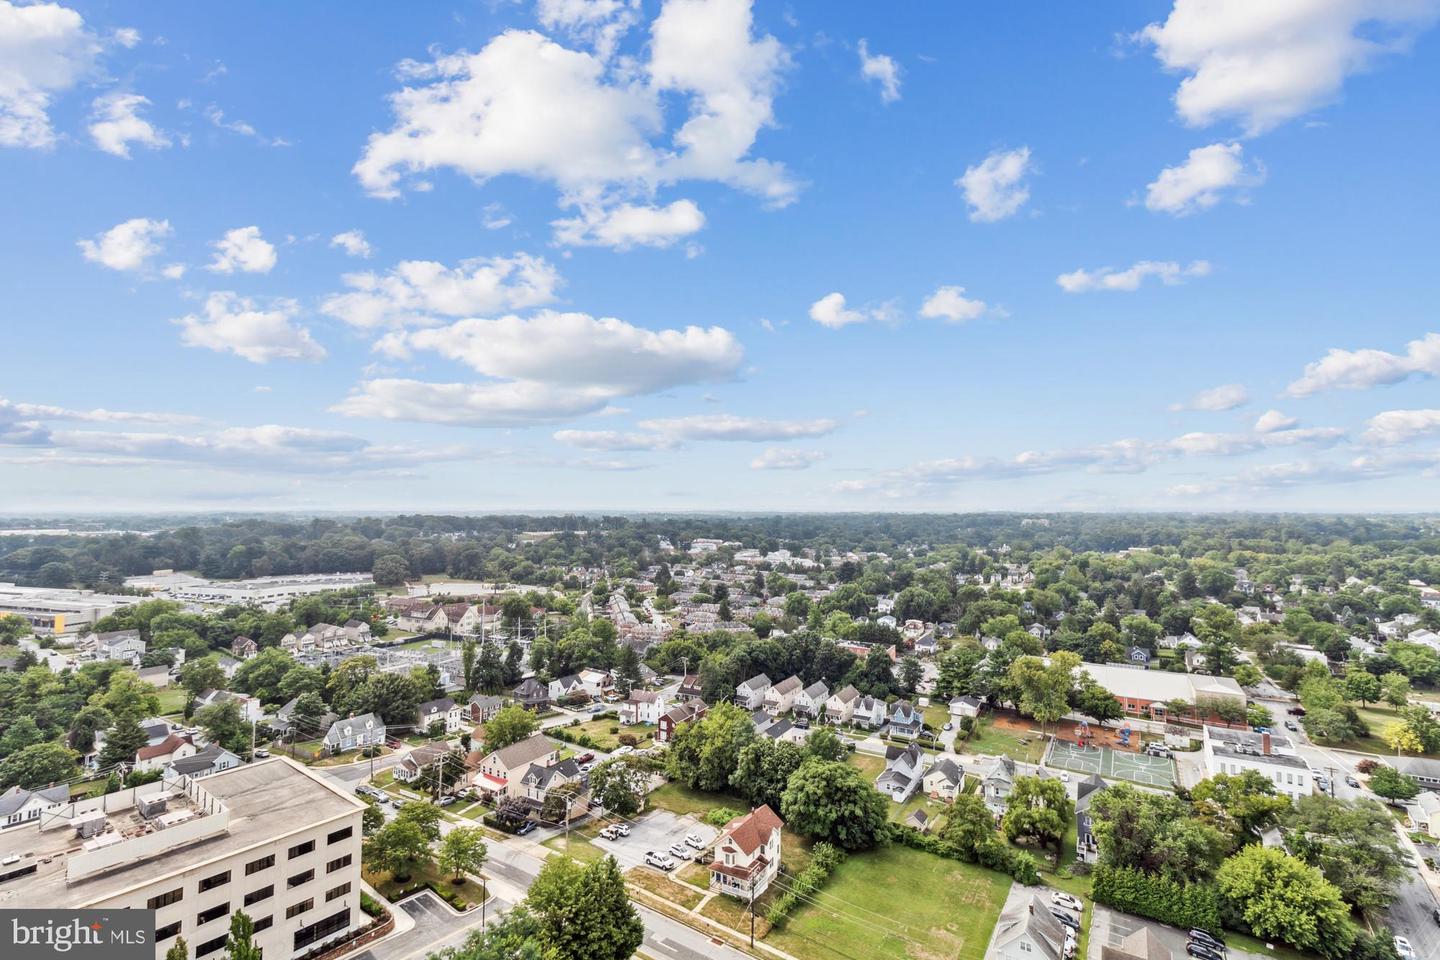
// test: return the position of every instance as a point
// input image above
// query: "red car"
(585, 758)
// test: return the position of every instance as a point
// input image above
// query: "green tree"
(23, 732)
(38, 765)
(1247, 800)
(583, 912)
(704, 753)
(462, 851)
(1093, 700)
(763, 770)
(197, 676)
(398, 848)
(1039, 811)
(390, 570)
(373, 818)
(1353, 843)
(1391, 784)
(1395, 689)
(1361, 685)
(1045, 688)
(240, 943)
(1247, 674)
(425, 816)
(225, 724)
(1282, 898)
(619, 783)
(1155, 834)
(825, 744)
(834, 802)
(510, 724)
(179, 950)
(910, 673)
(969, 826)
(122, 740)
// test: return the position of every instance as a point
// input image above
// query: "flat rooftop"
(257, 803)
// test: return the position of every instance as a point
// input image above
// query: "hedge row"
(994, 854)
(824, 858)
(1181, 905)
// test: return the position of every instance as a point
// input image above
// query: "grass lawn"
(680, 799)
(470, 891)
(599, 731)
(1249, 944)
(899, 811)
(869, 764)
(949, 909)
(663, 887)
(576, 847)
(987, 739)
(172, 700)
(697, 873)
(937, 715)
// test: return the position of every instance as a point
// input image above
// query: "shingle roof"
(529, 750)
(752, 831)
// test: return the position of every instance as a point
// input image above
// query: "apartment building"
(268, 838)
(1234, 751)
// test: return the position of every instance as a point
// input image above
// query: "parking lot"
(655, 830)
(1135, 767)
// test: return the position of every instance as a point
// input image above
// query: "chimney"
(1265, 744)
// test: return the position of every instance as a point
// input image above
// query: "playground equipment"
(1125, 735)
(1082, 733)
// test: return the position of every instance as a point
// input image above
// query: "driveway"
(656, 831)
(1109, 927)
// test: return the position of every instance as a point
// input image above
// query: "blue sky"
(625, 254)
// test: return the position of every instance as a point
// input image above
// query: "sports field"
(1135, 767)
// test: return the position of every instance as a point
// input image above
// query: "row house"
(781, 697)
(751, 693)
(810, 702)
(840, 707)
(671, 719)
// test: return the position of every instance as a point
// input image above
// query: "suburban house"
(289, 727)
(537, 782)
(531, 694)
(690, 688)
(1424, 812)
(869, 712)
(1142, 944)
(18, 805)
(564, 688)
(1233, 751)
(1423, 770)
(781, 697)
(1028, 931)
(962, 707)
(244, 648)
(996, 782)
(944, 779)
(157, 756)
(123, 645)
(840, 708)
(443, 711)
(903, 772)
(484, 706)
(1086, 847)
(671, 719)
(747, 855)
(355, 733)
(905, 720)
(413, 764)
(501, 770)
(597, 683)
(250, 707)
(642, 706)
(751, 693)
(811, 701)
(212, 759)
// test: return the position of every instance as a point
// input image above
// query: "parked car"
(446, 800)
(585, 758)
(1350, 781)
(525, 828)
(1436, 914)
(1322, 783)
(622, 750)
(261, 754)
(1067, 918)
(659, 860)
(609, 833)
(623, 829)
(1205, 936)
(1067, 901)
(1296, 711)
(680, 852)
(1202, 951)
(693, 839)
(1290, 725)
(1402, 947)
(948, 726)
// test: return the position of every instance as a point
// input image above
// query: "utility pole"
(752, 912)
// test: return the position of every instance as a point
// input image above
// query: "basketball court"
(1135, 767)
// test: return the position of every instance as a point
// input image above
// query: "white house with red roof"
(156, 756)
(747, 855)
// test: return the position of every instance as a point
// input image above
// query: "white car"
(693, 839)
(659, 860)
(680, 852)
(1067, 901)
(621, 751)
(623, 829)
(609, 833)
(1402, 947)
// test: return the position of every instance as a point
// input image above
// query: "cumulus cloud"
(951, 305)
(510, 404)
(881, 69)
(615, 440)
(598, 23)
(45, 49)
(353, 242)
(1361, 369)
(128, 245)
(526, 105)
(830, 311)
(724, 426)
(243, 249)
(629, 225)
(1169, 272)
(234, 324)
(1272, 420)
(1401, 426)
(423, 292)
(1202, 180)
(1265, 63)
(1224, 397)
(115, 123)
(779, 458)
(995, 187)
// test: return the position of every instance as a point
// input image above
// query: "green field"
(680, 799)
(172, 700)
(949, 909)
(988, 740)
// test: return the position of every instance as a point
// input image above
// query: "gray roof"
(1033, 918)
(204, 760)
(357, 722)
(15, 798)
(817, 691)
(529, 750)
(756, 682)
(947, 768)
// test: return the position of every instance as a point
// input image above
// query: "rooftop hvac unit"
(151, 807)
(90, 826)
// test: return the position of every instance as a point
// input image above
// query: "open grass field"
(987, 738)
(950, 909)
(172, 700)
(576, 847)
(868, 764)
(663, 887)
(680, 799)
(599, 731)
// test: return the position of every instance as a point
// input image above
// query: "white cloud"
(1272, 420)
(599, 23)
(45, 49)
(1361, 369)
(11, 412)
(423, 292)
(115, 123)
(128, 245)
(995, 188)
(1200, 182)
(830, 311)
(1401, 426)
(496, 218)
(234, 324)
(173, 271)
(353, 242)
(615, 440)
(217, 118)
(1108, 278)
(243, 249)
(778, 458)
(1268, 62)
(1224, 397)
(881, 69)
(629, 225)
(127, 37)
(526, 105)
(724, 426)
(951, 305)
(1234, 444)
(509, 404)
